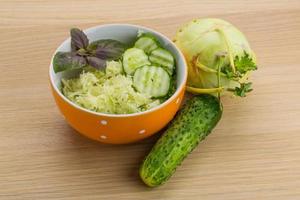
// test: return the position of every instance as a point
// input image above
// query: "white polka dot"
(103, 137)
(103, 122)
(142, 131)
(177, 101)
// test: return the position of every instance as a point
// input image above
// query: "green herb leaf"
(243, 89)
(244, 64)
(97, 63)
(63, 61)
(228, 72)
(107, 49)
(78, 39)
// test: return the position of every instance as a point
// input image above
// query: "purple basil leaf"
(78, 39)
(108, 53)
(97, 63)
(107, 49)
(63, 61)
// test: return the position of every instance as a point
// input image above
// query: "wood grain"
(254, 152)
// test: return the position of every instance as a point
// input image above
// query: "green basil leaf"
(63, 61)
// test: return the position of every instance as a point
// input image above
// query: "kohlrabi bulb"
(218, 56)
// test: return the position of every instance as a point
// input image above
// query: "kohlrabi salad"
(117, 78)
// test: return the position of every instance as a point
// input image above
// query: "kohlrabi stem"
(204, 90)
(218, 72)
(219, 76)
(228, 48)
(198, 64)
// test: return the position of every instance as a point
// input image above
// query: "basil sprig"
(82, 53)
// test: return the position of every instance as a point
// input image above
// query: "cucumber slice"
(146, 43)
(134, 58)
(152, 80)
(163, 58)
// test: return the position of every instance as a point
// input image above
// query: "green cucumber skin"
(190, 126)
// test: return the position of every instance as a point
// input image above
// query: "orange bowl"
(119, 128)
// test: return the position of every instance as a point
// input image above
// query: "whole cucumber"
(191, 125)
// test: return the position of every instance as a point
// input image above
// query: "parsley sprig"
(242, 64)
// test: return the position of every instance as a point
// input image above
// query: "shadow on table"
(112, 164)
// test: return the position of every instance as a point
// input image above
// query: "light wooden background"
(254, 152)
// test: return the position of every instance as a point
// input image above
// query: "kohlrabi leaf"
(78, 39)
(97, 63)
(63, 61)
(107, 49)
(244, 64)
(243, 89)
(227, 70)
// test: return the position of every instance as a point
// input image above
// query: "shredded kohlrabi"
(106, 92)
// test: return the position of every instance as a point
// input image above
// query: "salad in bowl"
(114, 77)
(118, 83)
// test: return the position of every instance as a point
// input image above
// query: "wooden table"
(254, 152)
